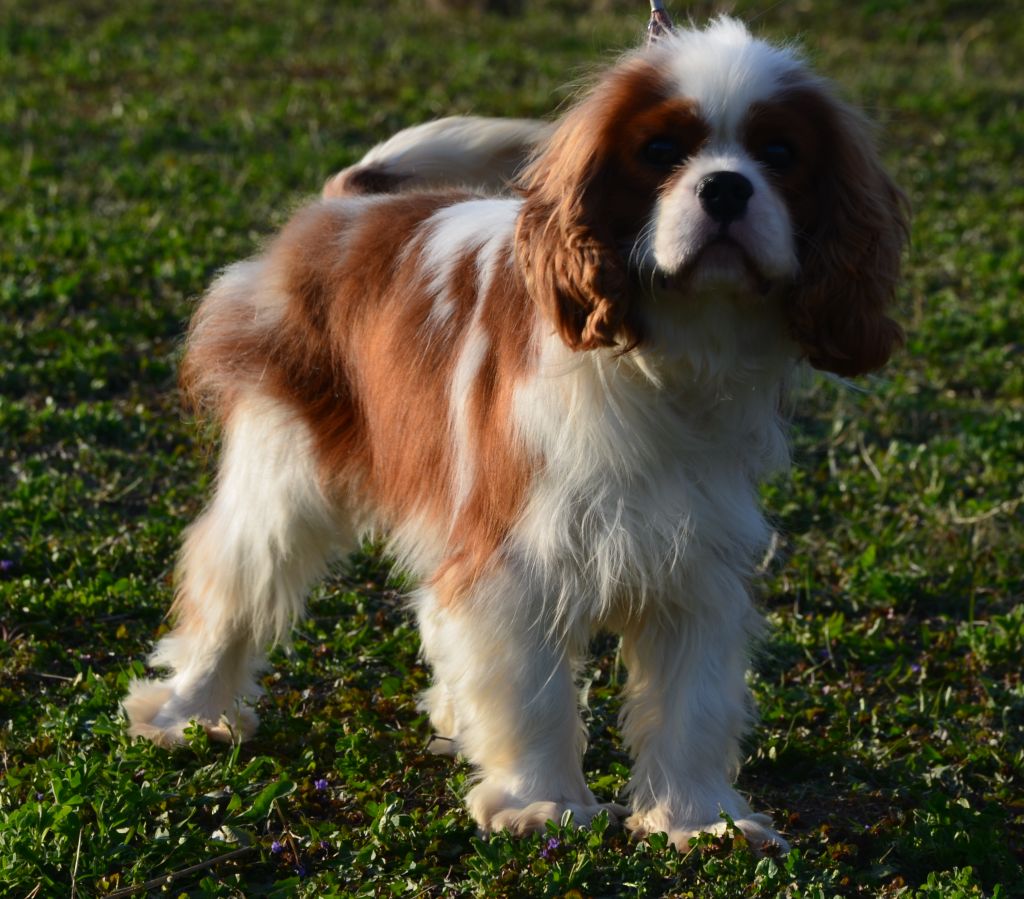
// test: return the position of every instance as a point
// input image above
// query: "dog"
(557, 400)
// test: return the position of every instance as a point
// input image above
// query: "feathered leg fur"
(242, 578)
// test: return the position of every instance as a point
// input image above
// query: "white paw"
(443, 746)
(494, 809)
(757, 829)
(156, 714)
(238, 727)
(533, 818)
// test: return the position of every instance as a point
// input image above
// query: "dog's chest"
(635, 490)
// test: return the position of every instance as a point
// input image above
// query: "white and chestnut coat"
(557, 403)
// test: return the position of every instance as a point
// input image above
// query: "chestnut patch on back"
(356, 353)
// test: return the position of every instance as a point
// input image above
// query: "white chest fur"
(651, 464)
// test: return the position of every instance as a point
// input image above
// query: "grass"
(144, 145)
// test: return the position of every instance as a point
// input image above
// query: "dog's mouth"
(721, 260)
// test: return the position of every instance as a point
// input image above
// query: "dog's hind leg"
(243, 574)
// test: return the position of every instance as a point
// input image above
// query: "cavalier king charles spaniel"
(557, 400)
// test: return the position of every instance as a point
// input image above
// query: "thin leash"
(660, 23)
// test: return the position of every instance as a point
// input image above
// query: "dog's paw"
(157, 714)
(533, 818)
(495, 809)
(756, 828)
(143, 706)
(238, 727)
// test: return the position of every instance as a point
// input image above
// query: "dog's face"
(713, 163)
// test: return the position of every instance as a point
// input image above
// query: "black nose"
(724, 195)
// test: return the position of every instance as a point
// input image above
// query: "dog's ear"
(850, 253)
(564, 240)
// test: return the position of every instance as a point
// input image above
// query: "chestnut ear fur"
(850, 253)
(566, 251)
(850, 260)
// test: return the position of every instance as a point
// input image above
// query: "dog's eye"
(663, 152)
(777, 155)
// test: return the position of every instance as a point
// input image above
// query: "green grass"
(144, 145)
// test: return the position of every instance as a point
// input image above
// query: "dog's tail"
(458, 151)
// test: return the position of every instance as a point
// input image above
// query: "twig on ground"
(45, 675)
(288, 835)
(74, 869)
(868, 461)
(177, 875)
(1008, 507)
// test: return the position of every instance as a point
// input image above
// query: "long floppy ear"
(850, 257)
(564, 238)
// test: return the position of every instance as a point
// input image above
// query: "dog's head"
(714, 163)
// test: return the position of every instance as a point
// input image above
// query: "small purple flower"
(39, 797)
(549, 848)
(276, 847)
(6, 566)
(320, 785)
(324, 845)
(915, 668)
(301, 870)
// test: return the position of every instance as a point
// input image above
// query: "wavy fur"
(557, 401)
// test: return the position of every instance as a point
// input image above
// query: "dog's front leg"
(685, 712)
(504, 696)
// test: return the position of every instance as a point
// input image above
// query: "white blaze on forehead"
(725, 69)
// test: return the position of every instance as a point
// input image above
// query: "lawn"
(144, 145)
